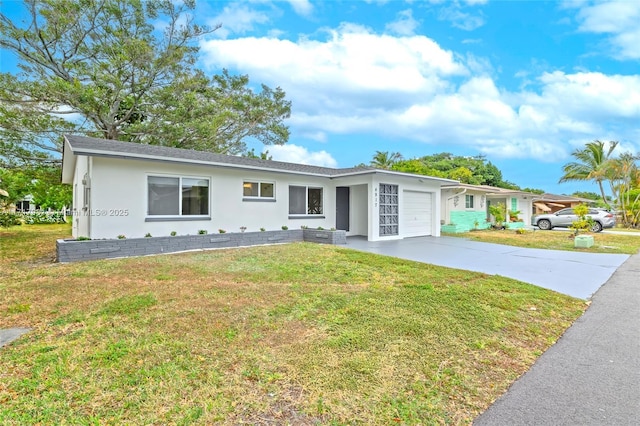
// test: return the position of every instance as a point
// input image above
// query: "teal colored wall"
(465, 221)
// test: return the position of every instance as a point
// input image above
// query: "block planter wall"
(74, 250)
(325, 236)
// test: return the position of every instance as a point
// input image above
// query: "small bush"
(8, 220)
(262, 229)
(82, 238)
(243, 228)
(521, 231)
(203, 231)
(222, 231)
(320, 228)
(304, 227)
(173, 233)
(121, 237)
(285, 227)
(42, 218)
(147, 235)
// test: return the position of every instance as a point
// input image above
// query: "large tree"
(593, 163)
(122, 69)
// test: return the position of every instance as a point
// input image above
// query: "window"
(305, 200)
(565, 212)
(177, 196)
(468, 201)
(258, 189)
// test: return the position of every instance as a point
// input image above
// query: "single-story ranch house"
(130, 189)
(466, 207)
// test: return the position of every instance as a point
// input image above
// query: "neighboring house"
(130, 189)
(466, 207)
(551, 203)
(26, 204)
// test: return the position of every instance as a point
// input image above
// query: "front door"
(342, 208)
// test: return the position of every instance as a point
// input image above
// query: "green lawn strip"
(556, 240)
(299, 333)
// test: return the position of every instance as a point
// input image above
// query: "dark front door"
(342, 208)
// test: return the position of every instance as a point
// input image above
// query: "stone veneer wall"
(74, 250)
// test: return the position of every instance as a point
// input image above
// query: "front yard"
(289, 334)
(556, 240)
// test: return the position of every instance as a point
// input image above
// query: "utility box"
(583, 241)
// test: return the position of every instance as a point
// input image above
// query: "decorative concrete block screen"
(74, 251)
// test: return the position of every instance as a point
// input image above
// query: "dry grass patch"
(556, 240)
(289, 334)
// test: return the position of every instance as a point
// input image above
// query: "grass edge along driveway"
(556, 240)
(300, 334)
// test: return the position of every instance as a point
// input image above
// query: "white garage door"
(416, 213)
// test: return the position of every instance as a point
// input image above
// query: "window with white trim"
(177, 196)
(468, 201)
(255, 189)
(305, 200)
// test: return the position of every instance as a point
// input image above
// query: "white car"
(565, 217)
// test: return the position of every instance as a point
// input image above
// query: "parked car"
(565, 217)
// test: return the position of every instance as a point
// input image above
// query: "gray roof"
(82, 145)
(491, 190)
(566, 198)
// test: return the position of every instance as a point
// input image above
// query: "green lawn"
(556, 240)
(288, 334)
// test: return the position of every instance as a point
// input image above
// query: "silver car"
(565, 217)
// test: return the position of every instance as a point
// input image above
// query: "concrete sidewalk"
(591, 376)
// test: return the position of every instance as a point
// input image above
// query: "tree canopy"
(472, 170)
(596, 162)
(123, 69)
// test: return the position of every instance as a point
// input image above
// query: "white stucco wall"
(81, 207)
(359, 211)
(118, 204)
(119, 189)
(404, 183)
(449, 202)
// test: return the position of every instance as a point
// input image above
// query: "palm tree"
(593, 163)
(624, 176)
(384, 160)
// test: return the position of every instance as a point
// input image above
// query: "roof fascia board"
(129, 156)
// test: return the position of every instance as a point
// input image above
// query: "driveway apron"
(574, 273)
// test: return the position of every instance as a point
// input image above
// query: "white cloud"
(297, 154)
(410, 89)
(237, 19)
(453, 12)
(302, 7)
(618, 19)
(404, 25)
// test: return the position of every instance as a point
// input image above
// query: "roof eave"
(69, 158)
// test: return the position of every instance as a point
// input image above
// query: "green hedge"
(9, 219)
(30, 218)
(39, 218)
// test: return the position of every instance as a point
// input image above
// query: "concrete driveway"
(577, 274)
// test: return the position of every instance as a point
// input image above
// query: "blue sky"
(524, 83)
